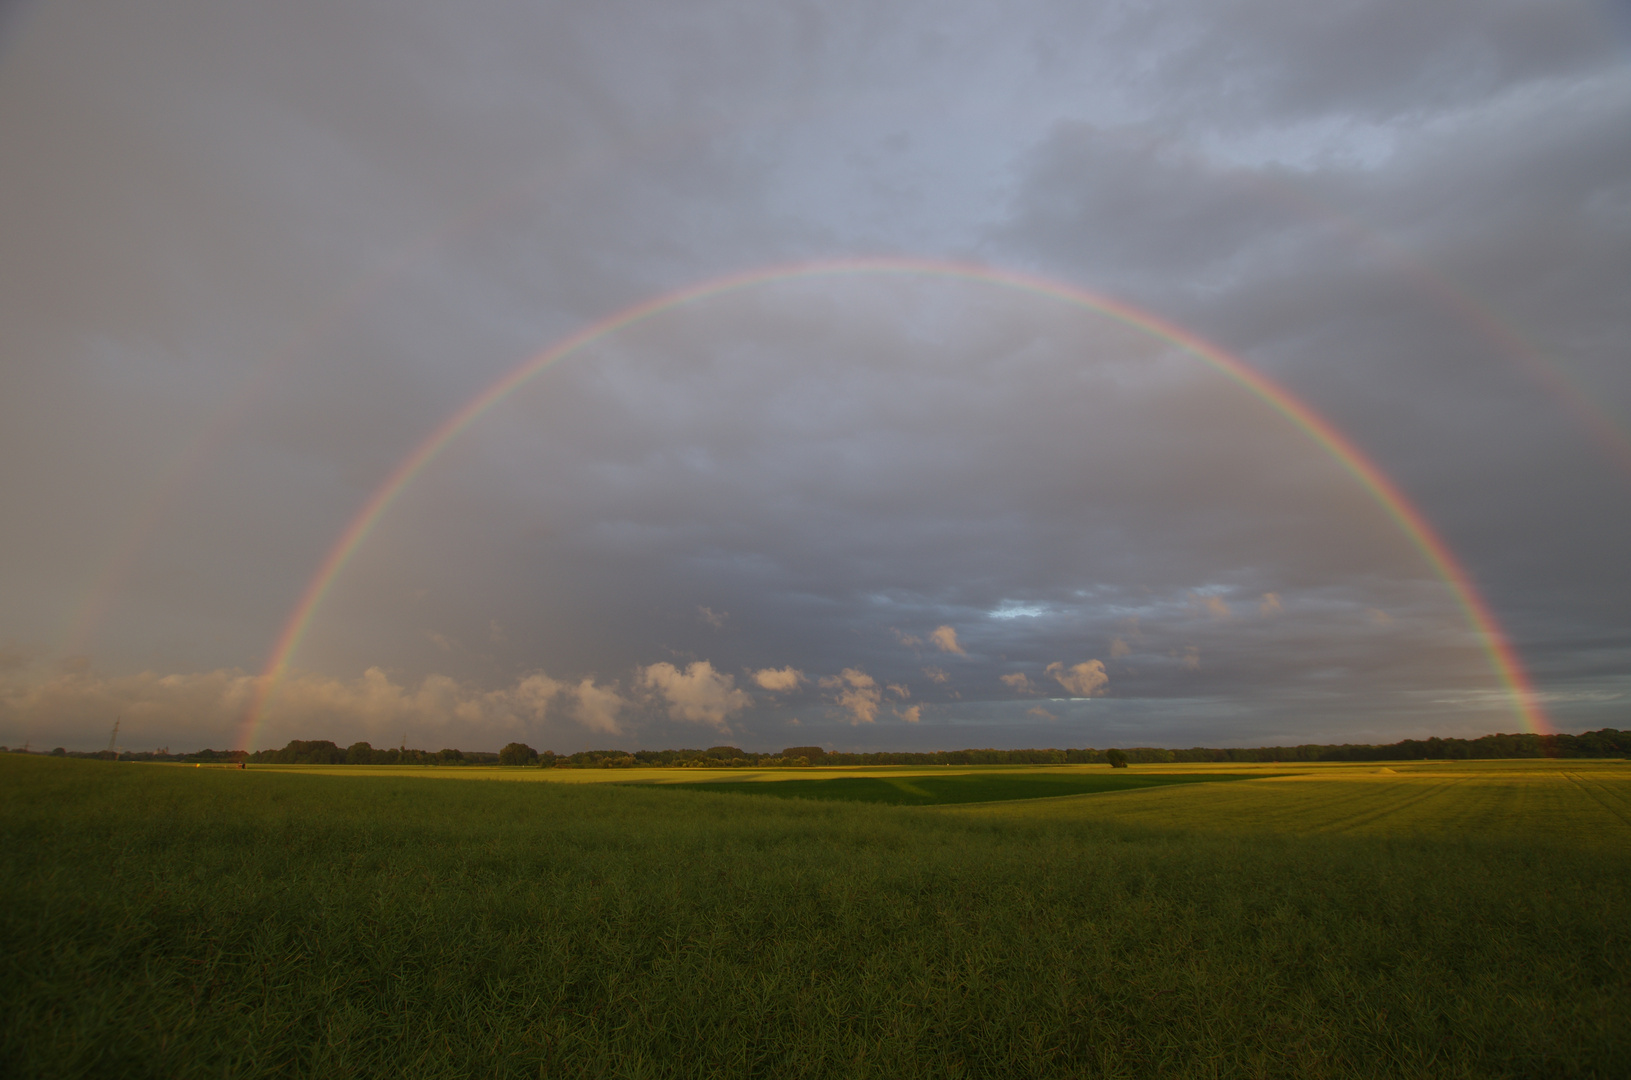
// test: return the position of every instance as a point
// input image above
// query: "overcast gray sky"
(251, 256)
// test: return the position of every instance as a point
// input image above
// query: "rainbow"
(1502, 657)
(1479, 316)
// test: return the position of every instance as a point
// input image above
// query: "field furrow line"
(1361, 820)
(1590, 789)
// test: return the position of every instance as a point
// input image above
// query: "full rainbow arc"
(1502, 657)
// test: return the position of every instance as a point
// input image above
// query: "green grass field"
(1432, 920)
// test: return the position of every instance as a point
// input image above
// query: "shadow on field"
(943, 790)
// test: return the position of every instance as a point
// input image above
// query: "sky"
(1077, 374)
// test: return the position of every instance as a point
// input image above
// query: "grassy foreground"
(1461, 920)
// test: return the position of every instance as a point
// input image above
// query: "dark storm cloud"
(251, 257)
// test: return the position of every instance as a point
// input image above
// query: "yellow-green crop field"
(1424, 919)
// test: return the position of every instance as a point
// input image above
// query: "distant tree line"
(727, 757)
(299, 752)
(1593, 744)
(323, 752)
(1605, 743)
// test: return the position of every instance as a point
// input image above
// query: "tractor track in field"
(1590, 789)
(1367, 817)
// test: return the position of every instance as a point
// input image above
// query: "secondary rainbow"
(1502, 657)
(1478, 315)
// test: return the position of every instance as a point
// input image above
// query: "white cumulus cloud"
(858, 694)
(1017, 681)
(1082, 680)
(597, 707)
(778, 680)
(699, 694)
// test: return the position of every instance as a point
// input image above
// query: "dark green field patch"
(957, 788)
